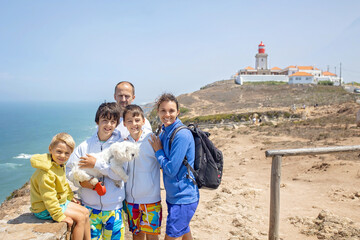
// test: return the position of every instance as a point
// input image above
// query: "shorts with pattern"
(144, 217)
(106, 225)
(46, 215)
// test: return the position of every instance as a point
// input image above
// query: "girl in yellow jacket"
(50, 193)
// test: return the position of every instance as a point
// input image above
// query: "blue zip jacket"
(179, 188)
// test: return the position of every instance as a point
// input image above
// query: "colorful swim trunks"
(106, 225)
(144, 217)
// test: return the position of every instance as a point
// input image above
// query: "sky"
(78, 50)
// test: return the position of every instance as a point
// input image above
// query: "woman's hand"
(155, 143)
(87, 161)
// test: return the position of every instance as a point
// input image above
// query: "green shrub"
(328, 83)
(355, 83)
(183, 110)
(237, 117)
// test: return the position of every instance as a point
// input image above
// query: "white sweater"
(143, 185)
(114, 196)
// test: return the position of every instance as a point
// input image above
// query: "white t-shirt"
(123, 130)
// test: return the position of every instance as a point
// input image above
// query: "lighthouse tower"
(261, 60)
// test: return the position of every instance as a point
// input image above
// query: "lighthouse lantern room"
(261, 58)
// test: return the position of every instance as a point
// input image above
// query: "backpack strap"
(185, 161)
(174, 133)
(190, 168)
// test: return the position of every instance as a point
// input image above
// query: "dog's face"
(125, 151)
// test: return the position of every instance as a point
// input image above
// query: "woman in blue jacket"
(182, 196)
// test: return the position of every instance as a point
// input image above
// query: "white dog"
(116, 155)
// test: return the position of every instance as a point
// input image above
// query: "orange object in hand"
(100, 189)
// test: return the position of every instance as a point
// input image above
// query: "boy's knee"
(85, 214)
(85, 211)
(82, 214)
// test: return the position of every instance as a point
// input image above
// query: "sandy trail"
(239, 208)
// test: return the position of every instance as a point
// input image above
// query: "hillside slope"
(228, 97)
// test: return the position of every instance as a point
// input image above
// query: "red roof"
(301, 74)
(276, 68)
(328, 74)
(261, 44)
(305, 67)
(249, 68)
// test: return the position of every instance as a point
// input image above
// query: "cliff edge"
(17, 222)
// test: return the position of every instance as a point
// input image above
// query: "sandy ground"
(239, 209)
(320, 195)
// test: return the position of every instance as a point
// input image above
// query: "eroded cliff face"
(17, 222)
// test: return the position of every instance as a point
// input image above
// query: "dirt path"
(239, 209)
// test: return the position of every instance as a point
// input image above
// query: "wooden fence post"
(275, 198)
(276, 176)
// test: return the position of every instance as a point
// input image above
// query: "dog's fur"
(116, 155)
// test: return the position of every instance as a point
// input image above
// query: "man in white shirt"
(125, 95)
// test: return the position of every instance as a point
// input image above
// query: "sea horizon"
(27, 128)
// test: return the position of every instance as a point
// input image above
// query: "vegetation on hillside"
(226, 102)
(239, 117)
(355, 83)
(328, 83)
(227, 97)
(335, 125)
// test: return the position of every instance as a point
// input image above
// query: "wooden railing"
(276, 176)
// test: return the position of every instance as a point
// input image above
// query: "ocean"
(27, 129)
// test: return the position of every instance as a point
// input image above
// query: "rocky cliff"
(17, 222)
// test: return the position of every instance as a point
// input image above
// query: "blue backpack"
(208, 164)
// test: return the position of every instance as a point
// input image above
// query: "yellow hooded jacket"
(48, 187)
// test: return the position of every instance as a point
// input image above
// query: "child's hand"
(87, 161)
(69, 222)
(86, 184)
(155, 143)
(74, 200)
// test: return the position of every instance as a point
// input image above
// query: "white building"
(291, 74)
(308, 69)
(301, 78)
(332, 77)
(240, 79)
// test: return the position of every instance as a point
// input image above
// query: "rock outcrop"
(17, 222)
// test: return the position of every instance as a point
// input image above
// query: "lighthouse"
(261, 59)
